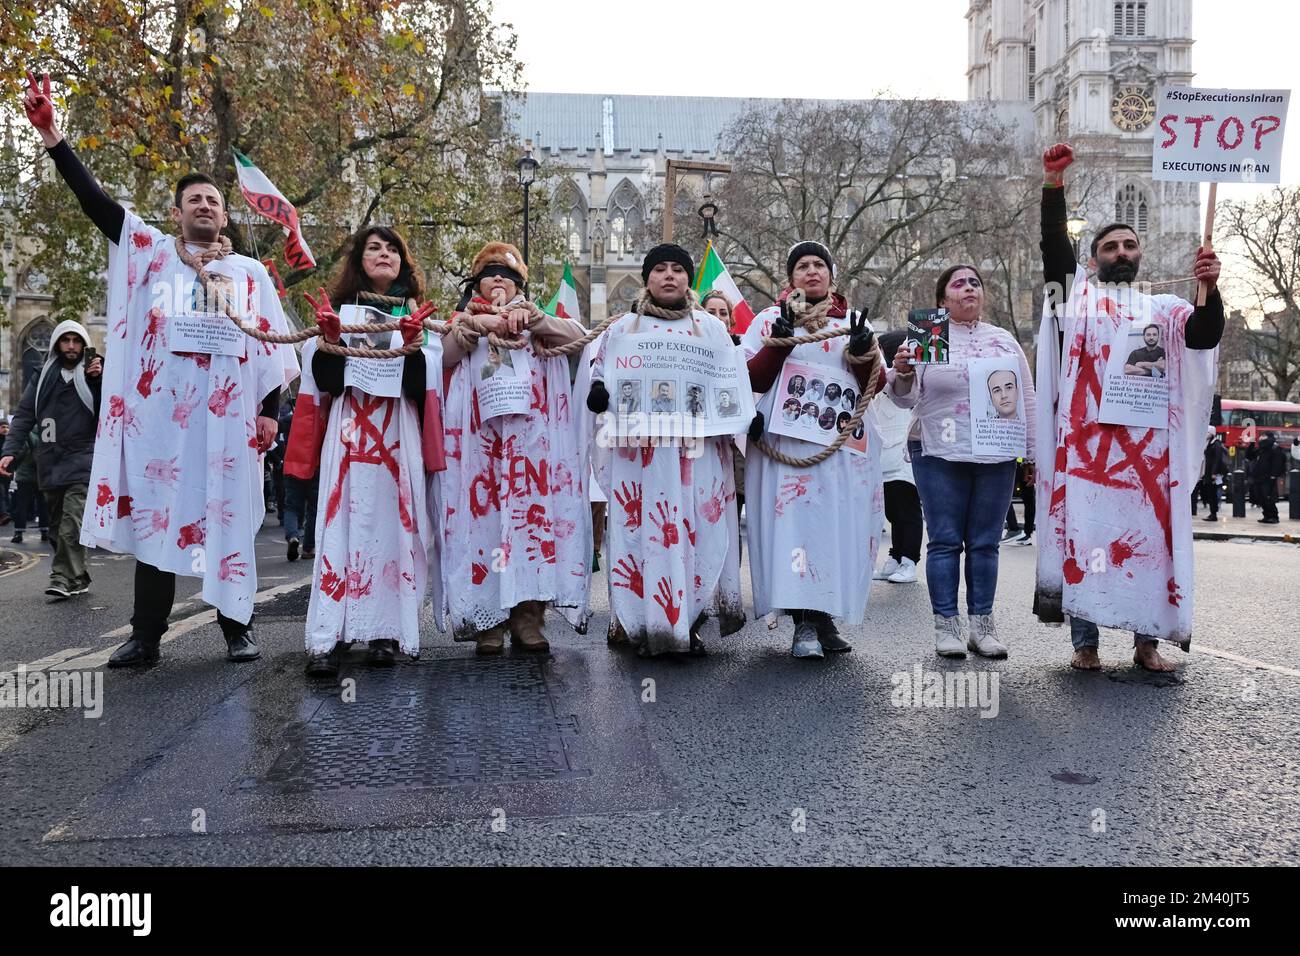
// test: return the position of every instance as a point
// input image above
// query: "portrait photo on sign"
(849, 400)
(997, 408)
(833, 391)
(627, 397)
(811, 413)
(726, 402)
(790, 410)
(1147, 358)
(796, 386)
(662, 397)
(826, 420)
(695, 399)
(814, 393)
(498, 360)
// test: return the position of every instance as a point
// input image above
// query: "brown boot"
(526, 621)
(490, 641)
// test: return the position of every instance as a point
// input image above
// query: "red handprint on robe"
(713, 505)
(151, 521)
(185, 403)
(144, 385)
(163, 469)
(230, 569)
(666, 522)
(542, 548)
(222, 396)
(791, 489)
(630, 499)
(629, 571)
(331, 583)
(155, 329)
(672, 609)
(192, 534)
(121, 416)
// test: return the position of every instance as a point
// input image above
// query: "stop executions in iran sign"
(1219, 136)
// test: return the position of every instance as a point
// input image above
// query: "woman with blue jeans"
(964, 473)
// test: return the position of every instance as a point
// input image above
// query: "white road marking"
(1250, 661)
(77, 659)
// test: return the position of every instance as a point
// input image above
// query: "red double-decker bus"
(1244, 422)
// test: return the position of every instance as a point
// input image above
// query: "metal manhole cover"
(421, 726)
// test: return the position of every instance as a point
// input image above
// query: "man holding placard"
(1119, 450)
(190, 402)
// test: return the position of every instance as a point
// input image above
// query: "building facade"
(1091, 70)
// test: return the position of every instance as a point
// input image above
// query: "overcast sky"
(915, 48)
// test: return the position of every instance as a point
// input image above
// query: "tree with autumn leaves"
(360, 111)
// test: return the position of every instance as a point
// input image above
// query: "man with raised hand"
(176, 478)
(1117, 547)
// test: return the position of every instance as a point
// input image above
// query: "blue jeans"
(1084, 634)
(964, 505)
(300, 510)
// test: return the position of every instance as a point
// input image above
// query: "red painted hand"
(672, 609)
(1056, 159)
(37, 103)
(412, 329)
(326, 318)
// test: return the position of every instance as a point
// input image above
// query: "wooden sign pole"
(1207, 241)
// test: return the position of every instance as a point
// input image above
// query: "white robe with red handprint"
(1115, 546)
(673, 545)
(813, 532)
(176, 478)
(514, 508)
(373, 525)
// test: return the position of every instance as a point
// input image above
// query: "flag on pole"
(266, 200)
(564, 304)
(713, 276)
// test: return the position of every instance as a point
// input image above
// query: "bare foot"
(1086, 659)
(1146, 656)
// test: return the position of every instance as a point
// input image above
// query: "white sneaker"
(984, 637)
(1012, 536)
(1025, 539)
(949, 636)
(883, 572)
(906, 573)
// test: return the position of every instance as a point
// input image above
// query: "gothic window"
(624, 294)
(1131, 208)
(626, 219)
(1130, 19)
(35, 347)
(571, 218)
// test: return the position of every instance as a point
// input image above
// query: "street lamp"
(527, 167)
(1075, 225)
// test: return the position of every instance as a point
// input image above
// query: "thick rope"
(214, 293)
(876, 360)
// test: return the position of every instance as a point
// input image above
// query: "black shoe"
(1270, 520)
(240, 647)
(697, 647)
(828, 634)
(325, 663)
(45, 537)
(1210, 518)
(136, 652)
(383, 652)
(293, 549)
(17, 538)
(58, 592)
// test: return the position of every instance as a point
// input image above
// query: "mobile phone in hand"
(89, 355)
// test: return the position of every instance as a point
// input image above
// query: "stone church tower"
(1091, 70)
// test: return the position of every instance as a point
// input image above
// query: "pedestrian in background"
(60, 407)
(25, 500)
(902, 504)
(4, 481)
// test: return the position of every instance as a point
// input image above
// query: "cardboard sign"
(1219, 136)
(814, 403)
(666, 386)
(927, 336)
(502, 380)
(997, 407)
(207, 333)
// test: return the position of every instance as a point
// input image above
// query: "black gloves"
(861, 337)
(756, 427)
(783, 327)
(598, 398)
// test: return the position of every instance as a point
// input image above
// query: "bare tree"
(884, 184)
(1265, 235)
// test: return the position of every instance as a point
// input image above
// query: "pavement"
(591, 755)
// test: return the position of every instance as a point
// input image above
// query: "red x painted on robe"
(376, 453)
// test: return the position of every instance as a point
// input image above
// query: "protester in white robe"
(813, 532)
(516, 512)
(673, 551)
(176, 478)
(374, 528)
(1116, 549)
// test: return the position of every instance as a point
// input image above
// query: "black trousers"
(155, 593)
(903, 512)
(1266, 498)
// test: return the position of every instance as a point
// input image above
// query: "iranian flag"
(268, 201)
(714, 277)
(564, 304)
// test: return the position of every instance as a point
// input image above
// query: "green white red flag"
(266, 200)
(564, 304)
(714, 277)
